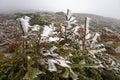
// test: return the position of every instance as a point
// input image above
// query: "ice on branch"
(69, 14)
(88, 35)
(87, 25)
(62, 63)
(35, 28)
(53, 39)
(49, 34)
(25, 23)
(70, 19)
(47, 30)
(27, 28)
(94, 40)
(52, 62)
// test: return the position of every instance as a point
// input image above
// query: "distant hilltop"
(97, 22)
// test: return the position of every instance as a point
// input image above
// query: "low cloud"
(109, 8)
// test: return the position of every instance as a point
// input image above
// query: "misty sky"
(108, 8)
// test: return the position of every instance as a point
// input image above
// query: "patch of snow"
(101, 66)
(47, 31)
(69, 14)
(70, 55)
(53, 39)
(113, 63)
(96, 51)
(35, 28)
(52, 49)
(87, 22)
(72, 19)
(102, 50)
(62, 29)
(88, 36)
(62, 63)
(47, 53)
(28, 57)
(76, 30)
(94, 40)
(25, 23)
(51, 64)
(98, 45)
(87, 25)
(24, 37)
(80, 45)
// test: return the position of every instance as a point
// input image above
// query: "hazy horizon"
(107, 8)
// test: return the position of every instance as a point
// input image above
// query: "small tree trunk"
(84, 40)
(65, 34)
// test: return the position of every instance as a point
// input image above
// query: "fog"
(108, 8)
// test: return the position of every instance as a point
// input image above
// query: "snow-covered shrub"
(69, 53)
(68, 29)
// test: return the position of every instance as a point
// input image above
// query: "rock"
(108, 43)
(113, 51)
(110, 50)
(117, 50)
(108, 34)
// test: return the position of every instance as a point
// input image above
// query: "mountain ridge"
(97, 21)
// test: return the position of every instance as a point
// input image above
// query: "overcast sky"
(108, 8)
